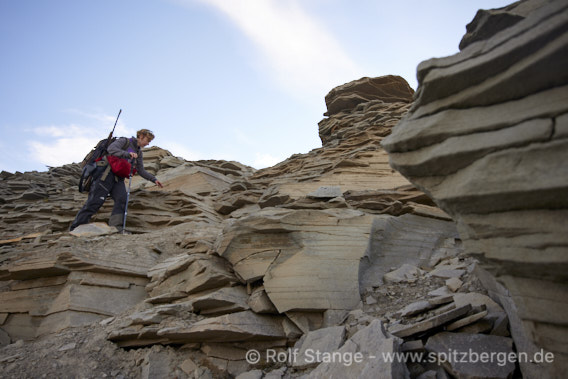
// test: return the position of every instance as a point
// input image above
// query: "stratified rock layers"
(327, 251)
(487, 139)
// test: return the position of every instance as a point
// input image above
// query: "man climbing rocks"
(109, 178)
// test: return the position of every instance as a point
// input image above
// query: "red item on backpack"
(120, 166)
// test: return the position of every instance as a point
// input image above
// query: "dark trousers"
(112, 186)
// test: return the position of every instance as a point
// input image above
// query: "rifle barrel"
(112, 131)
(119, 112)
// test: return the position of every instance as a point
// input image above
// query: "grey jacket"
(118, 150)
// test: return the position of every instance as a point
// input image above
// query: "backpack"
(89, 163)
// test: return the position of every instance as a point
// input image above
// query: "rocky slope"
(318, 267)
(322, 252)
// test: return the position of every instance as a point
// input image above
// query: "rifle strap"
(107, 169)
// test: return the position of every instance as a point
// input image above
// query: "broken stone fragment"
(222, 301)
(431, 323)
(454, 284)
(423, 306)
(333, 317)
(439, 300)
(233, 327)
(406, 273)
(188, 366)
(447, 271)
(416, 345)
(365, 351)
(478, 299)
(198, 272)
(482, 326)
(415, 308)
(271, 198)
(94, 229)
(324, 340)
(466, 321)
(442, 291)
(473, 355)
(326, 192)
(259, 302)
(306, 321)
(252, 374)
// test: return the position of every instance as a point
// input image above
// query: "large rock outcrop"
(387, 89)
(330, 252)
(487, 139)
(225, 259)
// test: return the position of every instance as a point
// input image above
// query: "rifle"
(88, 164)
(112, 131)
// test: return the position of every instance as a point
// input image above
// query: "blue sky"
(240, 80)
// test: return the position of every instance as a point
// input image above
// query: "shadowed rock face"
(487, 139)
(487, 23)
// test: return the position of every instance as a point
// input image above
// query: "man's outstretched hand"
(159, 184)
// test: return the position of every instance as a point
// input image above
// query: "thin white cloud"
(61, 151)
(62, 144)
(302, 54)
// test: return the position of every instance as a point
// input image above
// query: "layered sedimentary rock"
(47, 202)
(328, 251)
(387, 89)
(54, 290)
(320, 193)
(351, 149)
(305, 263)
(486, 139)
(307, 259)
(488, 22)
(84, 277)
(295, 233)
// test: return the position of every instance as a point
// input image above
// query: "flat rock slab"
(308, 260)
(476, 299)
(433, 322)
(326, 192)
(234, 327)
(323, 340)
(369, 345)
(415, 308)
(446, 272)
(466, 321)
(224, 300)
(198, 272)
(473, 355)
(93, 230)
(406, 273)
(424, 305)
